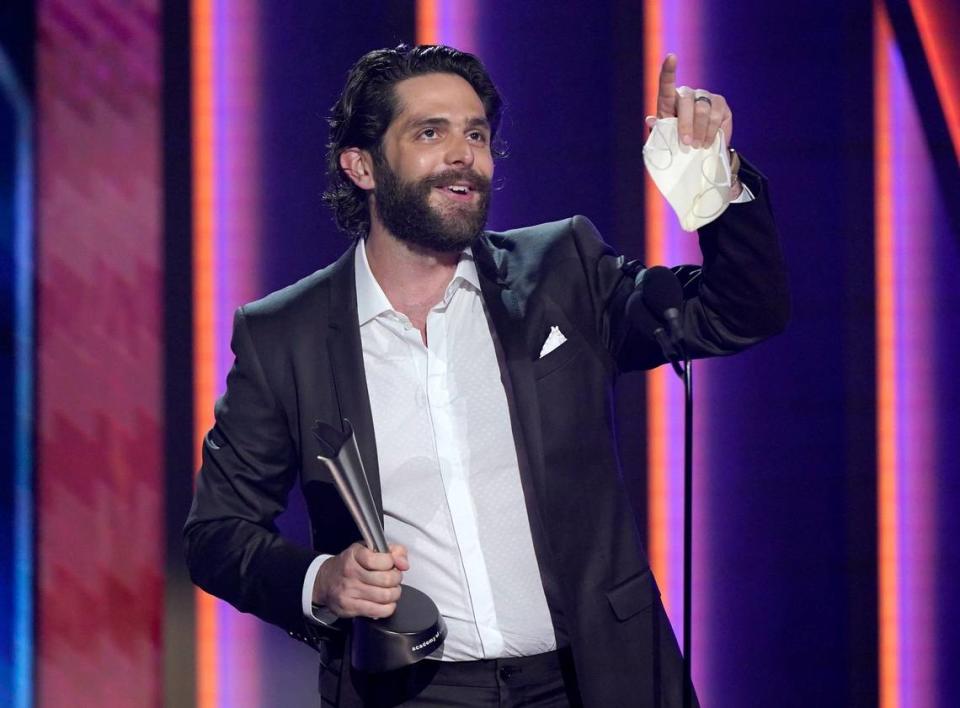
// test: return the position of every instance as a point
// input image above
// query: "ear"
(357, 164)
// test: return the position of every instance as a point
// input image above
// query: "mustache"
(474, 179)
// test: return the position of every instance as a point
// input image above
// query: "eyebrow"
(417, 123)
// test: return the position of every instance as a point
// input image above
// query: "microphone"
(663, 295)
(656, 301)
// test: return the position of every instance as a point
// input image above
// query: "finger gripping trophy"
(415, 629)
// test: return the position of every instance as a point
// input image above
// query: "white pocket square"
(554, 340)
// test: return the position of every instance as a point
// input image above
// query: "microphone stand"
(687, 530)
(675, 352)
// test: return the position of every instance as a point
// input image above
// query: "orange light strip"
(428, 26)
(933, 37)
(887, 561)
(657, 405)
(204, 304)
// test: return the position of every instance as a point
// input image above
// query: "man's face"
(432, 185)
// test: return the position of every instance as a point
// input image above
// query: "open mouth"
(458, 192)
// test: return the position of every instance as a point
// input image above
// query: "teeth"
(458, 189)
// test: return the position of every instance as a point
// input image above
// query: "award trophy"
(415, 629)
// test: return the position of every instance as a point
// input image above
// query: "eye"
(477, 136)
(429, 133)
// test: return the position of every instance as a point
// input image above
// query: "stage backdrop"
(179, 163)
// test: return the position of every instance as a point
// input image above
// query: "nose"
(460, 152)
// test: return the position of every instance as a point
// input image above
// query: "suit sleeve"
(738, 297)
(233, 548)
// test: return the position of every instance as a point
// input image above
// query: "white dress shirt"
(449, 475)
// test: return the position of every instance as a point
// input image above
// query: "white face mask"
(696, 181)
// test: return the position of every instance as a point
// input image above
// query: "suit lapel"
(346, 363)
(508, 315)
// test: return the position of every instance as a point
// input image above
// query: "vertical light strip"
(225, 79)
(668, 28)
(204, 331)
(23, 427)
(888, 590)
(916, 420)
(451, 22)
(21, 689)
(236, 141)
(906, 405)
(655, 252)
(458, 25)
(427, 22)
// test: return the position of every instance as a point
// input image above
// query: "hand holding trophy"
(415, 629)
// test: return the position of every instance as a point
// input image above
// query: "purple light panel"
(457, 24)
(916, 431)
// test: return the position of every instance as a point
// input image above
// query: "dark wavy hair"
(368, 104)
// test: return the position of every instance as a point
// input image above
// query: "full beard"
(404, 209)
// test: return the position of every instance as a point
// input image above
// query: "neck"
(412, 278)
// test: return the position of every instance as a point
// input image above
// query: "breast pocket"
(557, 359)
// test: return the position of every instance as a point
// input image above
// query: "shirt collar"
(372, 301)
(465, 274)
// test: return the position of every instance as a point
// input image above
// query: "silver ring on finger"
(705, 99)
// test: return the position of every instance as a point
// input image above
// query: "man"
(477, 371)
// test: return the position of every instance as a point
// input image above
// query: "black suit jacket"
(298, 360)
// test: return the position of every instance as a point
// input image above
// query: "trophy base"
(413, 632)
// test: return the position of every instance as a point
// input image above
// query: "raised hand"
(700, 113)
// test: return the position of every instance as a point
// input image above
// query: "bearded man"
(477, 371)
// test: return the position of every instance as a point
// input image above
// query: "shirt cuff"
(306, 597)
(745, 195)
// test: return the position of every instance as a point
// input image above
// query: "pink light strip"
(451, 22)
(226, 80)
(906, 434)
(674, 27)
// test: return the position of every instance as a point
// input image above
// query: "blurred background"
(161, 163)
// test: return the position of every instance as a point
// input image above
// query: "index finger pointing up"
(667, 91)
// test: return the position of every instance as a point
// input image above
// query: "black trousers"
(541, 681)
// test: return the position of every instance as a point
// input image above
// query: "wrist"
(735, 186)
(320, 583)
